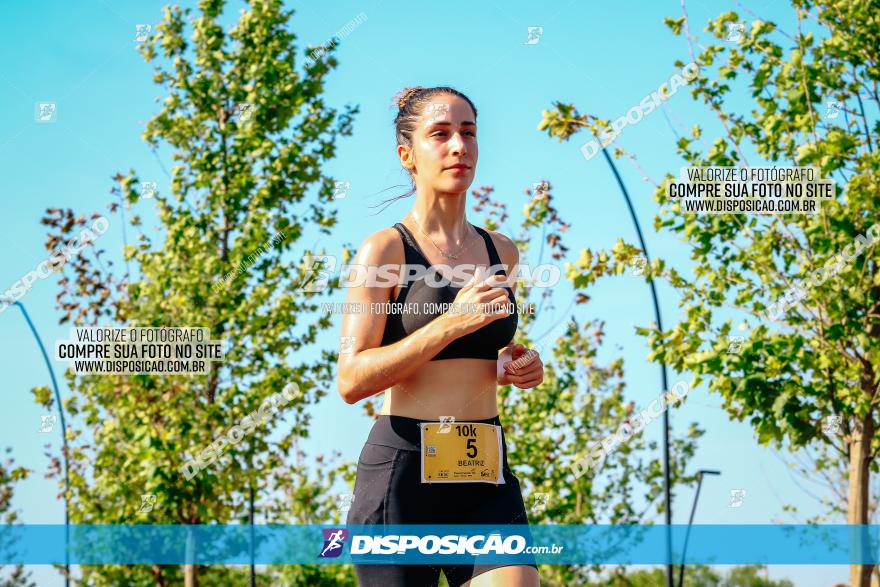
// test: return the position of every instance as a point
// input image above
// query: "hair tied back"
(404, 96)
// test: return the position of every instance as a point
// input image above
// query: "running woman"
(437, 454)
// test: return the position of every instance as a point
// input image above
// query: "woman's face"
(443, 156)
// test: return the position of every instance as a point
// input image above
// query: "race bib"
(461, 452)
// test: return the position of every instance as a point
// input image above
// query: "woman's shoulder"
(506, 247)
(384, 245)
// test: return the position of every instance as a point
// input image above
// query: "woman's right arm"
(370, 368)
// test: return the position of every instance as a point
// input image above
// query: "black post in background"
(687, 534)
(251, 515)
(670, 581)
(63, 441)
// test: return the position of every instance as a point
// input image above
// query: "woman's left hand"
(520, 367)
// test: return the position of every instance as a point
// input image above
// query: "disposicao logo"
(334, 539)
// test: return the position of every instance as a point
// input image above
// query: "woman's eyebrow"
(447, 123)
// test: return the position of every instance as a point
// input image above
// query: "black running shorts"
(388, 490)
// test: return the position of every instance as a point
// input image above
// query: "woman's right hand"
(481, 301)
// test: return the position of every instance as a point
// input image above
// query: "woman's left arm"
(526, 371)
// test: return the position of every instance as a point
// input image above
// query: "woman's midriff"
(463, 388)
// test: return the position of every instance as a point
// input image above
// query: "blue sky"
(602, 56)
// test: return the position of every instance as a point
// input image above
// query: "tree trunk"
(159, 576)
(857, 502)
(190, 572)
(191, 578)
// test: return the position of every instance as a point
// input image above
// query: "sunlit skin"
(413, 385)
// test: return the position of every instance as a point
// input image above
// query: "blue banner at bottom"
(439, 544)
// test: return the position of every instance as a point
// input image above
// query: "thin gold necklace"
(446, 254)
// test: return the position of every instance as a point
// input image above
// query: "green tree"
(248, 135)
(9, 476)
(805, 288)
(747, 576)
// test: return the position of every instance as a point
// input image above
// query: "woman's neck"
(442, 215)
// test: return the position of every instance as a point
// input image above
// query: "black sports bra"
(480, 344)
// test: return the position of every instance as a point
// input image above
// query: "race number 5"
(471, 433)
